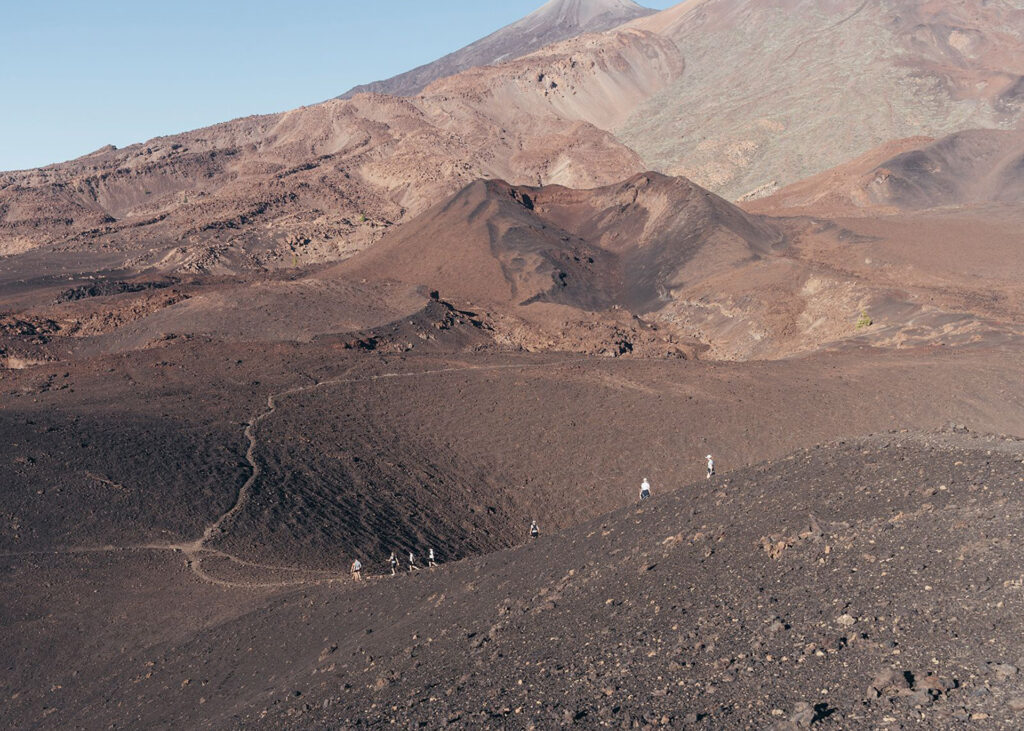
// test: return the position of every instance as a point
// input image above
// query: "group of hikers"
(645, 486)
(357, 567)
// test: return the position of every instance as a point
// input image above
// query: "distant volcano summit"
(556, 21)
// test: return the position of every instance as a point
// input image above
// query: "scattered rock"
(934, 684)
(921, 698)
(889, 682)
(803, 715)
(1001, 671)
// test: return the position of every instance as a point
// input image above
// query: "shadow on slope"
(618, 246)
(838, 583)
(963, 169)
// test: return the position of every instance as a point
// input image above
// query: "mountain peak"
(583, 13)
(557, 20)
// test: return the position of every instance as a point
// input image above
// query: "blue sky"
(78, 75)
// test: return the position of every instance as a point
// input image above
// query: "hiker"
(394, 563)
(534, 530)
(711, 466)
(645, 489)
(412, 563)
(357, 570)
(431, 563)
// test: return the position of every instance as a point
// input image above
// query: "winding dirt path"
(195, 551)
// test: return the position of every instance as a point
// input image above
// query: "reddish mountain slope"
(320, 182)
(621, 245)
(670, 264)
(967, 168)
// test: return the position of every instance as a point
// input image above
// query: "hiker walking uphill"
(357, 570)
(645, 489)
(431, 563)
(412, 563)
(711, 467)
(393, 561)
(534, 530)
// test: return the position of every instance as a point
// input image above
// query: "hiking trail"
(195, 551)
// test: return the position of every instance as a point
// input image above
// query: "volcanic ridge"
(587, 250)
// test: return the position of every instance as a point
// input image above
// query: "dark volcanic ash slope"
(623, 245)
(854, 585)
(677, 269)
(556, 21)
(154, 496)
(361, 453)
(358, 452)
(845, 585)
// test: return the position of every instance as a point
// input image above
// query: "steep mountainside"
(555, 21)
(966, 168)
(679, 269)
(320, 182)
(622, 245)
(697, 90)
(778, 90)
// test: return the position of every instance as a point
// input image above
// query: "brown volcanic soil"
(963, 169)
(949, 276)
(649, 266)
(840, 562)
(628, 619)
(555, 268)
(103, 435)
(966, 261)
(756, 111)
(199, 445)
(358, 453)
(620, 245)
(202, 430)
(318, 183)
